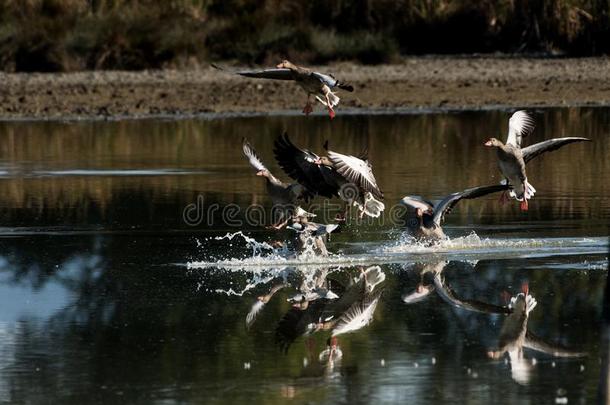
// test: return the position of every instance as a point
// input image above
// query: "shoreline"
(416, 85)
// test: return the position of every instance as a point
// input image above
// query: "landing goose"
(426, 224)
(512, 159)
(345, 176)
(314, 83)
(285, 197)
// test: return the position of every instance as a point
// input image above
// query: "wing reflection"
(514, 335)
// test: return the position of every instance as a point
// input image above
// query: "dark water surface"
(109, 294)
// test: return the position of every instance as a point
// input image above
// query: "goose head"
(323, 161)
(285, 64)
(494, 143)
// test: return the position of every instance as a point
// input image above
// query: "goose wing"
(520, 125)
(356, 171)
(299, 165)
(252, 156)
(552, 144)
(270, 73)
(446, 204)
(533, 342)
(415, 202)
(358, 315)
(447, 294)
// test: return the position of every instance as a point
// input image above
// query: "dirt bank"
(414, 83)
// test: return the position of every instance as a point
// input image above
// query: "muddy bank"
(414, 83)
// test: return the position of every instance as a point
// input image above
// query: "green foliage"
(60, 35)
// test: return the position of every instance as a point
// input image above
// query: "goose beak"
(317, 161)
(260, 173)
(488, 143)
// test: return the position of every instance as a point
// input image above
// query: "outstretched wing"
(416, 202)
(271, 73)
(552, 144)
(520, 125)
(252, 156)
(356, 171)
(299, 165)
(445, 292)
(358, 315)
(446, 204)
(533, 342)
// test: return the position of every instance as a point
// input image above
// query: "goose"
(348, 177)
(426, 224)
(314, 286)
(259, 304)
(285, 197)
(310, 237)
(514, 337)
(354, 308)
(314, 83)
(512, 158)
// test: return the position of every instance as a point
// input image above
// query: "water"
(109, 293)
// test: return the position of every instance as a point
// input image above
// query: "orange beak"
(260, 173)
(488, 143)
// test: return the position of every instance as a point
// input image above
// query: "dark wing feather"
(552, 144)
(449, 296)
(447, 203)
(275, 74)
(533, 342)
(298, 164)
(326, 79)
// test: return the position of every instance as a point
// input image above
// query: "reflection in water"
(108, 295)
(514, 335)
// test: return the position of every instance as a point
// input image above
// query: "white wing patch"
(520, 124)
(251, 155)
(355, 170)
(357, 316)
(415, 202)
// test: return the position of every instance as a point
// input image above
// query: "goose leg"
(308, 109)
(524, 205)
(331, 112)
(503, 197)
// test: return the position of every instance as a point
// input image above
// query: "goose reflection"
(514, 337)
(336, 307)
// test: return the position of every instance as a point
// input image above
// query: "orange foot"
(331, 113)
(525, 288)
(524, 206)
(308, 109)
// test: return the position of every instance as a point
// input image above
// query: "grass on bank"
(66, 35)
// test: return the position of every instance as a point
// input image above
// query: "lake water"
(109, 293)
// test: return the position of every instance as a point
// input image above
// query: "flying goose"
(512, 158)
(426, 224)
(345, 176)
(318, 84)
(285, 197)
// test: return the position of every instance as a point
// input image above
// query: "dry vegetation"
(67, 35)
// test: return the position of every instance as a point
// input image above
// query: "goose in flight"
(425, 224)
(345, 176)
(512, 158)
(285, 197)
(314, 83)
